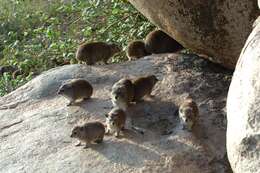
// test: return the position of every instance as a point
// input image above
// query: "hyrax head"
(115, 48)
(188, 116)
(119, 94)
(66, 90)
(76, 132)
(119, 98)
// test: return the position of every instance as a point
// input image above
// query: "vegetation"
(36, 35)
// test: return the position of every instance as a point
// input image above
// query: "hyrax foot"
(117, 134)
(87, 98)
(107, 131)
(139, 101)
(70, 103)
(98, 141)
(150, 95)
(78, 144)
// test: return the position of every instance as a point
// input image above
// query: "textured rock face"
(243, 109)
(216, 28)
(34, 131)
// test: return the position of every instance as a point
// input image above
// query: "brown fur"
(159, 42)
(136, 50)
(122, 93)
(96, 51)
(143, 86)
(89, 132)
(76, 89)
(188, 111)
(115, 121)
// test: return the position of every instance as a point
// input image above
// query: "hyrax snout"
(122, 93)
(115, 121)
(188, 113)
(88, 132)
(76, 89)
(90, 53)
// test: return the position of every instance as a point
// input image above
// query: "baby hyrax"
(76, 89)
(136, 50)
(90, 53)
(122, 93)
(115, 121)
(159, 42)
(143, 87)
(188, 113)
(88, 132)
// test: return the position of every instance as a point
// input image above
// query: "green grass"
(36, 35)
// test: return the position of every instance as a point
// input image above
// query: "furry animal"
(76, 89)
(159, 42)
(143, 86)
(188, 113)
(122, 93)
(136, 50)
(90, 53)
(115, 121)
(88, 132)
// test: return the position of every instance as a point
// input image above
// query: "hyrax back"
(76, 89)
(89, 132)
(136, 50)
(115, 121)
(143, 86)
(159, 42)
(188, 113)
(122, 93)
(96, 51)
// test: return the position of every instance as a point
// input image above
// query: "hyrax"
(136, 50)
(90, 53)
(115, 121)
(88, 132)
(143, 86)
(76, 89)
(159, 42)
(188, 113)
(122, 93)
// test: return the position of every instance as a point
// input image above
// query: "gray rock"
(214, 28)
(243, 109)
(35, 123)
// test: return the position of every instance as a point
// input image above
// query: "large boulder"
(35, 123)
(243, 109)
(214, 28)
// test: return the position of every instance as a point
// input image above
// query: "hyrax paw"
(78, 144)
(117, 135)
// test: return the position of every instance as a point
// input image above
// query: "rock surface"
(243, 109)
(35, 124)
(215, 28)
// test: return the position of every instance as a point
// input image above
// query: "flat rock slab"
(35, 123)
